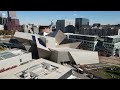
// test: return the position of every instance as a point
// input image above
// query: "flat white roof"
(47, 37)
(11, 53)
(70, 49)
(80, 35)
(115, 36)
(65, 20)
(34, 67)
(70, 45)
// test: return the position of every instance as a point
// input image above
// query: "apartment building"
(111, 45)
(100, 31)
(88, 42)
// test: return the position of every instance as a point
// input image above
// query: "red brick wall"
(13, 24)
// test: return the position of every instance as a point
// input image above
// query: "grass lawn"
(2, 49)
(107, 73)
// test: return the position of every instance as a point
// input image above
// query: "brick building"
(13, 24)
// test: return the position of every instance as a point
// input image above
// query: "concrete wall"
(60, 56)
(25, 57)
(1, 27)
(85, 57)
(59, 38)
(50, 42)
(54, 56)
(13, 61)
(63, 56)
(22, 35)
(66, 75)
(9, 62)
(43, 53)
(36, 30)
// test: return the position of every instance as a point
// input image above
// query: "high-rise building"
(96, 25)
(81, 23)
(65, 25)
(0, 13)
(11, 14)
(3, 21)
(3, 18)
(13, 22)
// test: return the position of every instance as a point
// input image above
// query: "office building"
(38, 69)
(100, 31)
(67, 26)
(88, 42)
(3, 20)
(111, 45)
(96, 25)
(104, 31)
(81, 23)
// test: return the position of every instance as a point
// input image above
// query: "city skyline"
(45, 17)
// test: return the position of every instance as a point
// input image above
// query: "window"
(72, 36)
(20, 60)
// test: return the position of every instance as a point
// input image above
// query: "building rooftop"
(5, 55)
(70, 45)
(70, 49)
(38, 69)
(65, 20)
(10, 53)
(115, 36)
(80, 35)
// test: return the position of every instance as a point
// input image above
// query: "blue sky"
(45, 17)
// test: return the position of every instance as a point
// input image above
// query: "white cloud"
(74, 14)
(3, 14)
